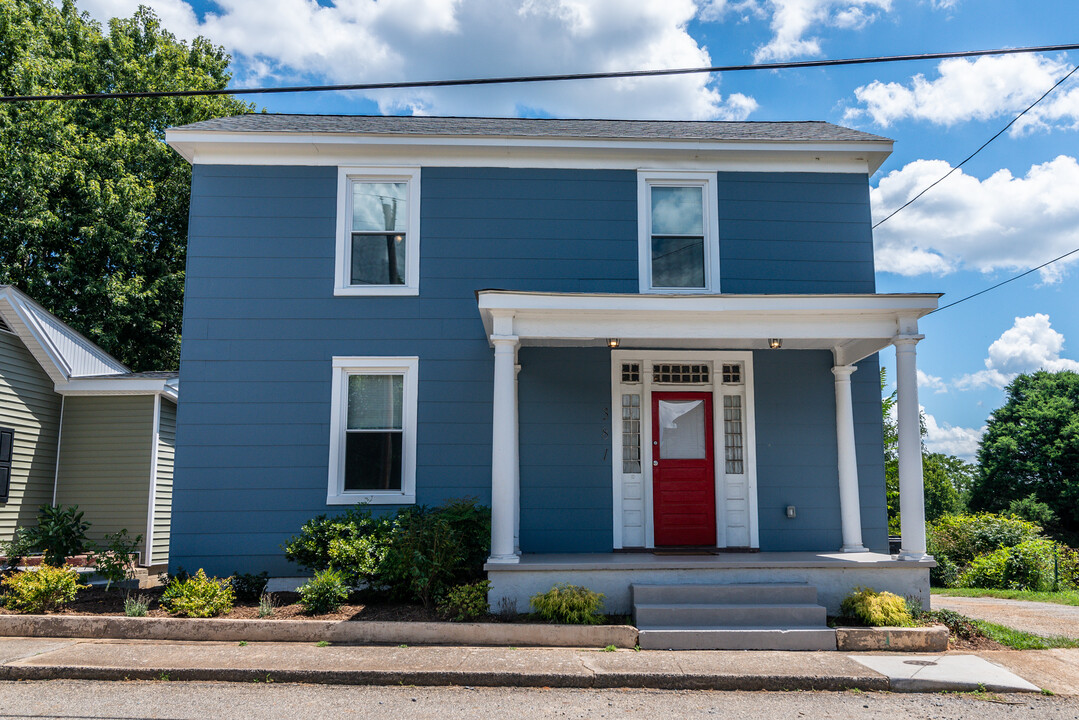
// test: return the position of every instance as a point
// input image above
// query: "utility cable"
(1005, 282)
(537, 78)
(1015, 119)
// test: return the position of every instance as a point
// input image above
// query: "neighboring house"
(78, 428)
(636, 340)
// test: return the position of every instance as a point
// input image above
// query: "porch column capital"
(850, 506)
(505, 343)
(843, 372)
(906, 342)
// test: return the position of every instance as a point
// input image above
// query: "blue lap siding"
(261, 325)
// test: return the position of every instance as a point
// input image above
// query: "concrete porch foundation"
(834, 575)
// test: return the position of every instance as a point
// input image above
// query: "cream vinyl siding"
(105, 461)
(29, 405)
(166, 445)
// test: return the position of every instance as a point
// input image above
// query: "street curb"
(346, 632)
(449, 677)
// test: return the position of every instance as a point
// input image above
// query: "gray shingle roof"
(809, 131)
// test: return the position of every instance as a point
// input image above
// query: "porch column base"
(853, 549)
(505, 559)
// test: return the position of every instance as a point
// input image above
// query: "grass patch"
(1063, 597)
(1019, 640)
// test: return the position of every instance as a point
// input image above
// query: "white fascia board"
(221, 148)
(119, 386)
(21, 322)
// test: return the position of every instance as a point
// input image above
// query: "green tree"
(93, 204)
(946, 478)
(1031, 447)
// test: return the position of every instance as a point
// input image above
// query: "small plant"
(136, 605)
(876, 609)
(324, 593)
(466, 602)
(571, 604)
(38, 591)
(243, 643)
(198, 596)
(60, 533)
(267, 604)
(249, 586)
(14, 550)
(114, 560)
(610, 648)
(322, 643)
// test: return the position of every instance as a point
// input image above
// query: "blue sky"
(1013, 207)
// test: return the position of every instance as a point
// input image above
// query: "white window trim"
(342, 368)
(646, 180)
(343, 252)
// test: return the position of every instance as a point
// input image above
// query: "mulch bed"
(964, 637)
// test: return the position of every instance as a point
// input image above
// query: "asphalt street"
(179, 701)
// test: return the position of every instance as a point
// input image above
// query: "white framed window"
(378, 231)
(678, 232)
(373, 430)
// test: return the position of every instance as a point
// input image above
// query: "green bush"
(198, 596)
(945, 574)
(1026, 566)
(14, 550)
(416, 555)
(59, 534)
(570, 604)
(248, 586)
(876, 609)
(38, 591)
(466, 602)
(961, 538)
(324, 593)
(136, 605)
(114, 559)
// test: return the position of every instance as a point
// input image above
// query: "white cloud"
(950, 439)
(1030, 344)
(931, 382)
(354, 41)
(1000, 223)
(981, 89)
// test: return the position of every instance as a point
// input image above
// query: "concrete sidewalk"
(43, 659)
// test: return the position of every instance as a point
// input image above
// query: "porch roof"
(853, 326)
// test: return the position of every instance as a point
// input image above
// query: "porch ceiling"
(853, 326)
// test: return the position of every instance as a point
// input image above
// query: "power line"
(929, 187)
(538, 78)
(994, 287)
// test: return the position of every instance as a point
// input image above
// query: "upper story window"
(678, 232)
(378, 226)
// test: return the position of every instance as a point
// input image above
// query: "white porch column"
(850, 508)
(911, 490)
(503, 451)
(516, 458)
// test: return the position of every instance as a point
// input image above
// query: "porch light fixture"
(612, 343)
(775, 343)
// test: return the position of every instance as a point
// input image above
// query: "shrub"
(14, 550)
(136, 605)
(961, 538)
(1026, 566)
(876, 609)
(249, 586)
(351, 542)
(38, 591)
(466, 602)
(945, 574)
(1029, 508)
(114, 559)
(198, 596)
(324, 593)
(60, 533)
(570, 604)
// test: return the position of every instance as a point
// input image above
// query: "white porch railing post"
(503, 451)
(911, 490)
(850, 508)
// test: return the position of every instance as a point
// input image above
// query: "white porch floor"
(719, 561)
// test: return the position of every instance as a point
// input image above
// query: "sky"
(1011, 208)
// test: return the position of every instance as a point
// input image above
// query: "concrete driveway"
(1034, 617)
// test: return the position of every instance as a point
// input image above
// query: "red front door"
(683, 469)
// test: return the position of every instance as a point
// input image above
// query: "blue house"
(650, 346)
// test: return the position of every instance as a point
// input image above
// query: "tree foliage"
(1031, 447)
(93, 204)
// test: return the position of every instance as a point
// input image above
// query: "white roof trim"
(120, 386)
(287, 148)
(851, 326)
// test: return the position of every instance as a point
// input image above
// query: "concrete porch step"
(737, 638)
(691, 615)
(742, 593)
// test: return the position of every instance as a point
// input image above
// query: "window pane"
(677, 210)
(378, 259)
(373, 461)
(678, 262)
(374, 402)
(682, 430)
(379, 206)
